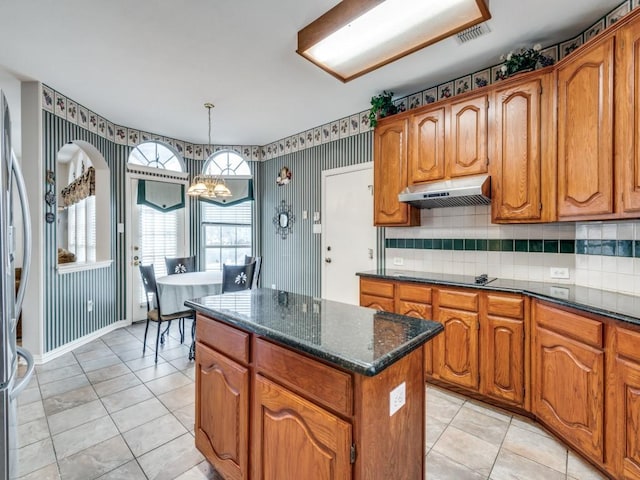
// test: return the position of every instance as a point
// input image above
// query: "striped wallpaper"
(294, 263)
(65, 297)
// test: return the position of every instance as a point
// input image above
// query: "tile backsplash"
(463, 240)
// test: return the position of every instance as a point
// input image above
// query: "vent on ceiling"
(472, 33)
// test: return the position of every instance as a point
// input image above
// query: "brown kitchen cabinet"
(568, 376)
(222, 412)
(623, 404)
(390, 174)
(467, 142)
(414, 300)
(585, 89)
(627, 114)
(288, 424)
(378, 294)
(503, 348)
(455, 351)
(522, 150)
(427, 145)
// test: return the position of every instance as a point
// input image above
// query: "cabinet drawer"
(627, 343)
(575, 326)
(460, 300)
(323, 384)
(505, 306)
(411, 292)
(376, 287)
(379, 303)
(226, 339)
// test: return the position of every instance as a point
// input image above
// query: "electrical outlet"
(89, 305)
(559, 272)
(398, 261)
(397, 398)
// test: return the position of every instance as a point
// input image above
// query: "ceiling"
(152, 64)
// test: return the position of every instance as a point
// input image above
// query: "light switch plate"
(399, 261)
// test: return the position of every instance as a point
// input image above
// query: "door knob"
(327, 259)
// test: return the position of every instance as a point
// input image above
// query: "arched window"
(227, 229)
(156, 155)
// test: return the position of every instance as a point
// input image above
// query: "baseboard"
(47, 357)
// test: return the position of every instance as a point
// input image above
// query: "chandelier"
(205, 185)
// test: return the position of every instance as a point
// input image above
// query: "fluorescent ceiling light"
(358, 36)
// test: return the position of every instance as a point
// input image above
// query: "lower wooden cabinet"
(568, 377)
(502, 348)
(222, 412)
(378, 294)
(623, 409)
(415, 300)
(294, 438)
(455, 351)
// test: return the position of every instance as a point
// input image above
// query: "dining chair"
(237, 277)
(154, 314)
(256, 272)
(180, 264)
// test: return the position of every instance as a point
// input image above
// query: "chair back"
(237, 277)
(180, 264)
(150, 286)
(256, 272)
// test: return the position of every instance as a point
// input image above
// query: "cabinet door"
(419, 310)
(623, 411)
(426, 146)
(293, 438)
(628, 117)
(467, 137)
(585, 133)
(390, 175)
(627, 418)
(455, 351)
(568, 389)
(516, 177)
(503, 359)
(222, 412)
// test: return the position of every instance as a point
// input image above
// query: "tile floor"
(105, 412)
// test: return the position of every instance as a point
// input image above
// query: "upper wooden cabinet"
(627, 83)
(521, 149)
(426, 146)
(390, 175)
(467, 137)
(585, 133)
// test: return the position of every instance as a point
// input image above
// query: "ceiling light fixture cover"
(358, 36)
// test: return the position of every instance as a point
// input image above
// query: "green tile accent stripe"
(610, 248)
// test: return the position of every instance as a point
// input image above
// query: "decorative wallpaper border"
(355, 124)
(607, 248)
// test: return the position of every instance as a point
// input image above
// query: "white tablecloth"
(175, 289)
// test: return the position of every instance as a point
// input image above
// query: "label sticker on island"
(397, 398)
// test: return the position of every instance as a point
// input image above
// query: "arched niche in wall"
(83, 197)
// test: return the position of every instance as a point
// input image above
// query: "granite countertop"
(614, 305)
(355, 338)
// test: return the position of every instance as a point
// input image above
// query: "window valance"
(161, 196)
(81, 188)
(241, 191)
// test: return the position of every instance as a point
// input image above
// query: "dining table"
(174, 290)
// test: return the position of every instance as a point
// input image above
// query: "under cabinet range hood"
(456, 192)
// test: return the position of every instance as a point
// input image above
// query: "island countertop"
(358, 339)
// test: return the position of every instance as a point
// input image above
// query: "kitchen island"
(290, 387)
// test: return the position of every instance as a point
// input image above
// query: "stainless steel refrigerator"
(10, 304)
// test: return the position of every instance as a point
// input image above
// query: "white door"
(348, 234)
(153, 236)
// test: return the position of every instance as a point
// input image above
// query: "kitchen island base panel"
(285, 415)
